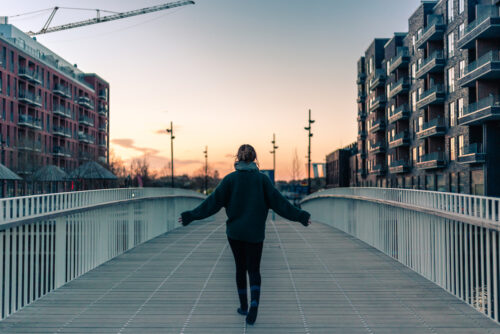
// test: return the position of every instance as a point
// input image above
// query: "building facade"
(339, 167)
(429, 102)
(50, 111)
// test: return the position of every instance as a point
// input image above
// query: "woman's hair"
(246, 153)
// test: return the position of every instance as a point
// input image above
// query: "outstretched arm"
(282, 206)
(211, 205)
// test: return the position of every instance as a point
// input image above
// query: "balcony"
(29, 145)
(377, 170)
(378, 79)
(401, 59)
(60, 151)
(30, 98)
(61, 131)
(399, 166)
(62, 91)
(433, 128)
(435, 95)
(486, 67)
(399, 140)
(86, 102)
(431, 161)
(61, 111)
(487, 109)
(433, 32)
(432, 64)
(29, 121)
(362, 172)
(102, 110)
(361, 78)
(378, 102)
(85, 120)
(487, 25)
(361, 116)
(472, 154)
(86, 138)
(102, 94)
(376, 148)
(362, 135)
(376, 125)
(400, 113)
(103, 144)
(400, 87)
(30, 74)
(361, 97)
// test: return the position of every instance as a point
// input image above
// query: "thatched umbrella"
(92, 173)
(7, 178)
(52, 176)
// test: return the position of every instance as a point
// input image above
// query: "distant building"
(50, 111)
(338, 167)
(429, 102)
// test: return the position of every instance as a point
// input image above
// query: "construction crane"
(100, 19)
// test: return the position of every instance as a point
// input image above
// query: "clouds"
(129, 143)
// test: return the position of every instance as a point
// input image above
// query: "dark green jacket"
(247, 195)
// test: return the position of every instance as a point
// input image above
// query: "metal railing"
(438, 88)
(433, 156)
(435, 55)
(438, 121)
(48, 240)
(398, 136)
(434, 20)
(450, 239)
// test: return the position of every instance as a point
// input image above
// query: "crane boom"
(101, 19)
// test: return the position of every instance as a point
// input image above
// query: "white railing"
(48, 240)
(481, 208)
(450, 239)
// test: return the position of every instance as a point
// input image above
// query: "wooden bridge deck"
(314, 280)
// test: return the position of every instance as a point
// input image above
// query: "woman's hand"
(180, 220)
(308, 222)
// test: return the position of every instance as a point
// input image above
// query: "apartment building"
(50, 111)
(428, 102)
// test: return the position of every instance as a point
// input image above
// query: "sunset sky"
(226, 72)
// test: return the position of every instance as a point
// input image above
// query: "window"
(413, 71)
(460, 145)
(451, 80)
(461, 29)
(453, 182)
(451, 44)
(11, 65)
(461, 6)
(477, 182)
(430, 182)
(441, 182)
(460, 107)
(450, 10)
(462, 68)
(1, 83)
(415, 155)
(453, 113)
(413, 40)
(420, 123)
(371, 66)
(453, 152)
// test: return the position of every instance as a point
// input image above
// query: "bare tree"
(296, 166)
(116, 165)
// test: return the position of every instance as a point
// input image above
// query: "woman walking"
(247, 195)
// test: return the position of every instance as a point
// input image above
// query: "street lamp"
(308, 128)
(206, 169)
(273, 152)
(172, 137)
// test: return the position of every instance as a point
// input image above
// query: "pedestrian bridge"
(373, 261)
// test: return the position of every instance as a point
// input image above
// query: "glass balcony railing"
(429, 92)
(86, 120)
(398, 136)
(399, 163)
(438, 121)
(489, 57)
(60, 150)
(401, 109)
(30, 97)
(488, 102)
(473, 148)
(434, 156)
(86, 138)
(402, 53)
(62, 111)
(436, 55)
(490, 12)
(29, 121)
(62, 90)
(60, 130)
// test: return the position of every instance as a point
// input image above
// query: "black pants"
(247, 256)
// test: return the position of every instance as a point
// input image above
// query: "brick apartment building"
(429, 102)
(50, 111)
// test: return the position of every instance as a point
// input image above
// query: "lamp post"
(206, 169)
(172, 137)
(308, 128)
(273, 152)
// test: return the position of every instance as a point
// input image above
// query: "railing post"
(60, 253)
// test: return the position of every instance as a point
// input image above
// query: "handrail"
(479, 209)
(20, 209)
